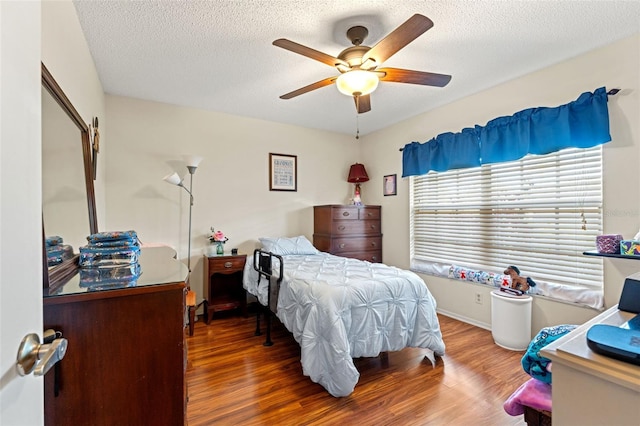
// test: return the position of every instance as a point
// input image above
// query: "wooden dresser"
(349, 231)
(125, 363)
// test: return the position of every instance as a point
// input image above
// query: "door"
(21, 398)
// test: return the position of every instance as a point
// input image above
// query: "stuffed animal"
(517, 282)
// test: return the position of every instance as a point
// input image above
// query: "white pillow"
(283, 246)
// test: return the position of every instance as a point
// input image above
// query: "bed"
(340, 308)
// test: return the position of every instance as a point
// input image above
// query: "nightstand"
(223, 288)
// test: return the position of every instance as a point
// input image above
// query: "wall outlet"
(479, 298)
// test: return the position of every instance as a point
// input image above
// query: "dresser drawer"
(345, 227)
(355, 213)
(372, 213)
(344, 213)
(374, 256)
(226, 264)
(352, 244)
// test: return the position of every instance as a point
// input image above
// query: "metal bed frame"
(263, 264)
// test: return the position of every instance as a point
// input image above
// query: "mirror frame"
(60, 274)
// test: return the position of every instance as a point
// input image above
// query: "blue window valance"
(583, 123)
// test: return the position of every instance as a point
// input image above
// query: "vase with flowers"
(217, 238)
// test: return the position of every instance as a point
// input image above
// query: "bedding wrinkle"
(339, 308)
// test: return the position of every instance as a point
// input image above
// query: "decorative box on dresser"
(349, 231)
(125, 362)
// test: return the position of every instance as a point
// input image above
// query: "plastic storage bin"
(511, 320)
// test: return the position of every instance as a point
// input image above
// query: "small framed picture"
(283, 172)
(389, 185)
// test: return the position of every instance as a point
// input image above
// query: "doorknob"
(31, 351)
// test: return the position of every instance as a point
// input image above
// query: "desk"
(592, 389)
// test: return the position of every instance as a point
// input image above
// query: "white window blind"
(539, 214)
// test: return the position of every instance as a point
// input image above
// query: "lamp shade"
(357, 173)
(173, 179)
(357, 82)
(192, 160)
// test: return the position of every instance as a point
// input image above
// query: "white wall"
(66, 55)
(616, 65)
(147, 141)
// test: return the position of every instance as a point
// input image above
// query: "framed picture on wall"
(283, 172)
(389, 185)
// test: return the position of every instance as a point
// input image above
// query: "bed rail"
(263, 264)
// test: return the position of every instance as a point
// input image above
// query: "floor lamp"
(192, 164)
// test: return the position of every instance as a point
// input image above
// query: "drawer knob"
(370, 214)
(373, 227)
(345, 214)
(342, 245)
(373, 244)
(228, 264)
(341, 227)
(374, 258)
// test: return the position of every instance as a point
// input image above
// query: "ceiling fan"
(358, 64)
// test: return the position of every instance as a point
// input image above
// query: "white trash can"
(511, 320)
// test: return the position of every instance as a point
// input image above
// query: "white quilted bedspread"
(339, 308)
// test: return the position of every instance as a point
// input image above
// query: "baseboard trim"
(464, 319)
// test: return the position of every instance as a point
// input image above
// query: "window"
(538, 213)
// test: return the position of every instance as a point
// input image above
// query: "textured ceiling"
(217, 55)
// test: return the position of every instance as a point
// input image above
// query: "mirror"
(68, 198)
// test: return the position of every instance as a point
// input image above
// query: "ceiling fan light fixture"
(368, 64)
(358, 82)
(343, 68)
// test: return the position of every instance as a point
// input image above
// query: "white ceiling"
(217, 55)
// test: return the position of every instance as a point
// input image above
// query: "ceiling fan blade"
(309, 52)
(310, 87)
(363, 103)
(411, 29)
(400, 75)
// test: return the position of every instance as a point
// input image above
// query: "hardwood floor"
(233, 379)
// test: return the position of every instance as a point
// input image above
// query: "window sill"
(573, 294)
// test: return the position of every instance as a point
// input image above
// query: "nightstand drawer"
(227, 264)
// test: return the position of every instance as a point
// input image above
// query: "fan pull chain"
(357, 98)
